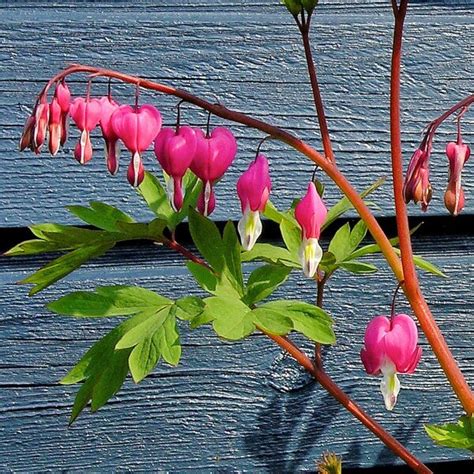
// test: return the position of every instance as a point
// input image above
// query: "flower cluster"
(208, 155)
(417, 186)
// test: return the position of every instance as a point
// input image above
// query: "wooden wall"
(226, 407)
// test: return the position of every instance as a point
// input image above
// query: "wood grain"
(247, 55)
(219, 409)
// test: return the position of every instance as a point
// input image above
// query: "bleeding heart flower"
(63, 95)
(310, 213)
(253, 189)
(417, 186)
(390, 347)
(55, 126)
(458, 154)
(175, 151)
(137, 128)
(214, 155)
(112, 149)
(41, 124)
(86, 115)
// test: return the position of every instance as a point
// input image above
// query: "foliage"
(454, 435)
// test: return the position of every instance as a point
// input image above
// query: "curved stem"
(411, 285)
(318, 101)
(327, 383)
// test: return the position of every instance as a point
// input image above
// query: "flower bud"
(310, 213)
(253, 189)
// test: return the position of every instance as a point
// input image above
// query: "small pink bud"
(253, 189)
(458, 154)
(390, 347)
(214, 155)
(63, 95)
(310, 213)
(137, 128)
(112, 150)
(55, 126)
(86, 115)
(417, 186)
(41, 124)
(175, 151)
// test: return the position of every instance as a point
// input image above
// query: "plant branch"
(318, 101)
(318, 359)
(411, 285)
(417, 302)
(327, 383)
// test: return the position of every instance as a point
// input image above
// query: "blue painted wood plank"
(205, 45)
(219, 409)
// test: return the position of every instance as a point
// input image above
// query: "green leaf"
(233, 264)
(145, 329)
(344, 205)
(358, 233)
(205, 317)
(64, 265)
(454, 435)
(271, 321)
(108, 301)
(205, 278)
(161, 340)
(271, 254)
(155, 196)
(307, 319)
(168, 337)
(207, 239)
(340, 245)
(374, 248)
(328, 262)
(36, 246)
(232, 319)
(425, 265)
(144, 357)
(291, 236)
(263, 281)
(68, 236)
(102, 368)
(100, 215)
(272, 213)
(353, 266)
(189, 307)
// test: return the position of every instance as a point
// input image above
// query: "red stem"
(318, 101)
(327, 383)
(411, 285)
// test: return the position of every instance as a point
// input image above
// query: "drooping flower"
(86, 116)
(63, 95)
(253, 189)
(112, 149)
(417, 186)
(391, 347)
(214, 154)
(41, 124)
(55, 126)
(458, 154)
(137, 127)
(310, 213)
(175, 150)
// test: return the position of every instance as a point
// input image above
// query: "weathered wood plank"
(218, 410)
(205, 45)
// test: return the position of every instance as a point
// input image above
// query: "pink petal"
(254, 185)
(311, 213)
